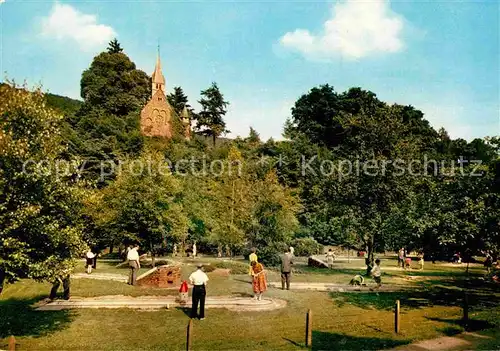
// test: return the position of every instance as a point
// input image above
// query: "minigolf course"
(159, 302)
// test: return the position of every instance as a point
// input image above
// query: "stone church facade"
(157, 117)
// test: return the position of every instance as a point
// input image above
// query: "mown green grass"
(358, 321)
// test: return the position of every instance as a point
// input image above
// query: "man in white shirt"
(135, 265)
(376, 274)
(199, 280)
(90, 260)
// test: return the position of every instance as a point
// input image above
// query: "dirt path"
(101, 276)
(159, 302)
(464, 341)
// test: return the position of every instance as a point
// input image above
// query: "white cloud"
(66, 23)
(355, 30)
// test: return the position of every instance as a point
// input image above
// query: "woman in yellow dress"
(258, 279)
(252, 258)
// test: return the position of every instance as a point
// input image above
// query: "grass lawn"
(431, 307)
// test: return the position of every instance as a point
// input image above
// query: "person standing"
(401, 257)
(421, 261)
(330, 257)
(292, 250)
(286, 269)
(259, 283)
(376, 274)
(90, 260)
(199, 281)
(252, 258)
(63, 279)
(488, 263)
(194, 249)
(134, 264)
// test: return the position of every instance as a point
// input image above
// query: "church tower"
(157, 78)
(186, 121)
(157, 117)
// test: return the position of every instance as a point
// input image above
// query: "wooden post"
(309, 328)
(12, 343)
(396, 317)
(189, 335)
(466, 311)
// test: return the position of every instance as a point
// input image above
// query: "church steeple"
(187, 123)
(158, 81)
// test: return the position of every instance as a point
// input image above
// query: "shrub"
(306, 247)
(208, 268)
(269, 256)
(235, 267)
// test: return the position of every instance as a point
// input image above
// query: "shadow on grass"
(185, 310)
(458, 325)
(334, 341)
(18, 318)
(411, 299)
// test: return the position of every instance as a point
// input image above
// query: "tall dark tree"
(320, 113)
(113, 84)
(253, 137)
(178, 100)
(114, 47)
(210, 120)
(106, 126)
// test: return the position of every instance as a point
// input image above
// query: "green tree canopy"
(210, 120)
(40, 235)
(178, 100)
(113, 84)
(114, 47)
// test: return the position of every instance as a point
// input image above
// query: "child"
(330, 257)
(407, 263)
(376, 274)
(357, 280)
(421, 262)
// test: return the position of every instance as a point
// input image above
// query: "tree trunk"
(213, 138)
(369, 256)
(111, 247)
(152, 255)
(2, 278)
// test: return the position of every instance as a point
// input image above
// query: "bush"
(269, 256)
(306, 247)
(235, 267)
(208, 268)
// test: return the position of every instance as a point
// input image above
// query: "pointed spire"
(157, 74)
(158, 81)
(158, 63)
(185, 113)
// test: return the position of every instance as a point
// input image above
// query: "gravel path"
(159, 302)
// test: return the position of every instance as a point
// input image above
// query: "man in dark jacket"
(286, 269)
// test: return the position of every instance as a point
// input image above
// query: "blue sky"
(440, 56)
